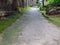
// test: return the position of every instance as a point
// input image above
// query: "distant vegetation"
(51, 10)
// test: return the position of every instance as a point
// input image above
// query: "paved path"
(31, 29)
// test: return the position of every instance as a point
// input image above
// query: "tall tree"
(23, 3)
(14, 4)
(43, 3)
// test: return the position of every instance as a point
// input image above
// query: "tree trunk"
(14, 5)
(47, 9)
(23, 3)
(43, 2)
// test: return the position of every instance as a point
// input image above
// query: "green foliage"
(37, 1)
(42, 8)
(54, 19)
(11, 19)
(52, 2)
(23, 9)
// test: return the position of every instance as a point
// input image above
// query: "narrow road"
(31, 29)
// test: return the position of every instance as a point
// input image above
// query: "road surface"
(31, 29)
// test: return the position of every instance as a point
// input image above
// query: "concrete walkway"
(31, 29)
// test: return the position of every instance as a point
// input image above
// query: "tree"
(37, 1)
(43, 3)
(23, 3)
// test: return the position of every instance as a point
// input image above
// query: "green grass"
(54, 19)
(8, 38)
(8, 35)
(4, 23)
(24, 9)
